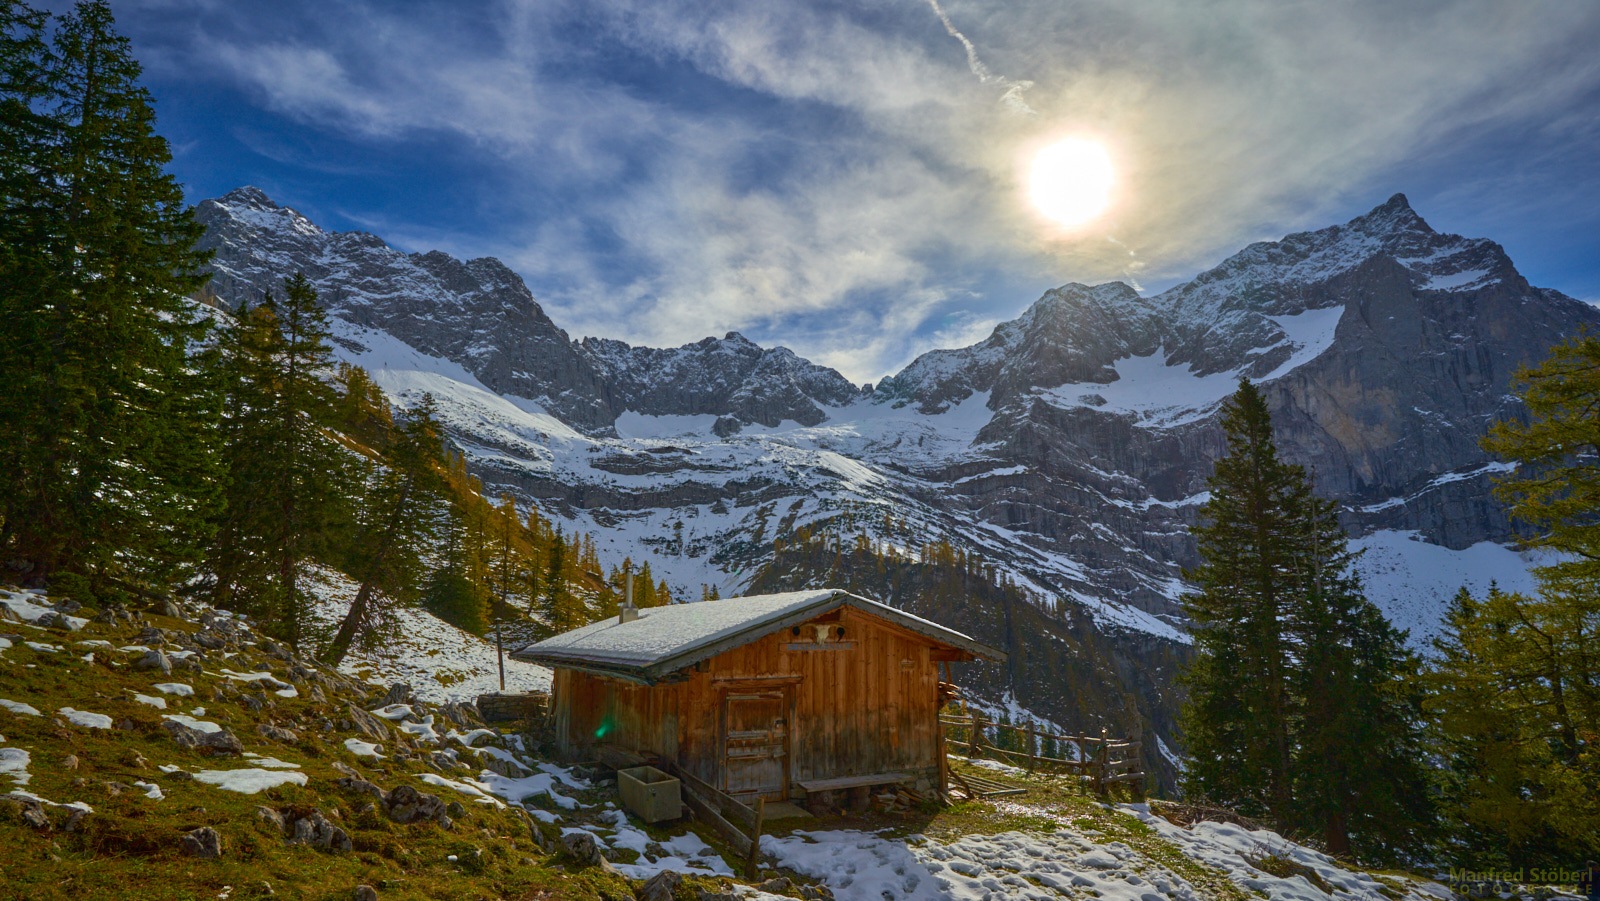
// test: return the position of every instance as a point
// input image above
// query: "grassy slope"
(130, 847)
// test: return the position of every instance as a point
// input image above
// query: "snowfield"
(439, 661)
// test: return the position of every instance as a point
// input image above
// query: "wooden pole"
(752, 866)
(1103, 763)
(977, 734)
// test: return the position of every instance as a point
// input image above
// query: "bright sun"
(1071, 181)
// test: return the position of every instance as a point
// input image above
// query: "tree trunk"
(346, 635)
(1337, 837)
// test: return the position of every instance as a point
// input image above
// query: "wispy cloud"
(1014, 89)
(844, 178)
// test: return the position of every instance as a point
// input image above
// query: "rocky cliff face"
(479, 314)
(1069, 449)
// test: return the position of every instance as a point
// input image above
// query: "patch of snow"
(271, 763)
(158, 703)
(249, 781)
(424, 730)
(41, 647)
(174, 688)
(19, 708)
(29, 611)
(543, 782)
(1454, 280)
(30, 796)
(14, 763)
(1178, 763)
(192, 723)
(479, 791)
(362, 748)
(441, 662)
(151, 790)
(467, 738)
(393, 712)
(85, 719)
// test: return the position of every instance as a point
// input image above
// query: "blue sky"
(848, 178)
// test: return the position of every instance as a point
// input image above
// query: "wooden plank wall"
(858, 710)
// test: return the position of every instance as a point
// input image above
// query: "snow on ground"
(1162, 396)
(361, 748)
(271, 763)
(85, 719)
(249, 781)
(31, 605)
(174, 688)
(192, 723)
(19, 708)
(14, 763)
(440, 662)
(153, 701)
(1046, 866)
(478, 791)
(1412, 581)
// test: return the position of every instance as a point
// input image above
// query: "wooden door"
(755, 759)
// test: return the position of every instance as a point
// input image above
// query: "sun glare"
(1071, 181)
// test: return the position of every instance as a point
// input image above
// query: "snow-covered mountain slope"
(1069, 449)
(480, 314)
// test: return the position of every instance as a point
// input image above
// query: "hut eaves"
(664, 640)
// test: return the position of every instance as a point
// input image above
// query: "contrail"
(1013, 94)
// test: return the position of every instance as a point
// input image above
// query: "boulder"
(357, 784)
(365, 893)
(407, 805)
(277, 733)
(368, 725)
(154, 659)
(272, 818)
(315, 830)
(659, 887)
(398, 693)
(203, 843)
(220, 742)
(583, 848)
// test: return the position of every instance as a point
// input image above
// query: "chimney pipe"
(629, 612)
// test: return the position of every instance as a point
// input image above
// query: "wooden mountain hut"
(773, 696)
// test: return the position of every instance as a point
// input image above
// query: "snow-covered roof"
(664, 640)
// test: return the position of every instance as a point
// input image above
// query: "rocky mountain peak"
(249, 197)
(1392, 217)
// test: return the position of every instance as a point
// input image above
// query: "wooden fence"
(1101, 762)
(739, 824)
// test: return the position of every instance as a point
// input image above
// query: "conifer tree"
(1298, 706)
(397, 525)
(105, 457)
(1515, 713)
(288, 480)
(556, 609)
(1555, 491)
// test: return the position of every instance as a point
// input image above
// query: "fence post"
(977, 734)
(1102, 765)
(1029, 739)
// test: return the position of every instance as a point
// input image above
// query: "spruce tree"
(288, 480)
(104, 443)
(1300, 706)
(1242, 712)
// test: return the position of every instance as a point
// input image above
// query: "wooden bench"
(828, 785)
(820, 791)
